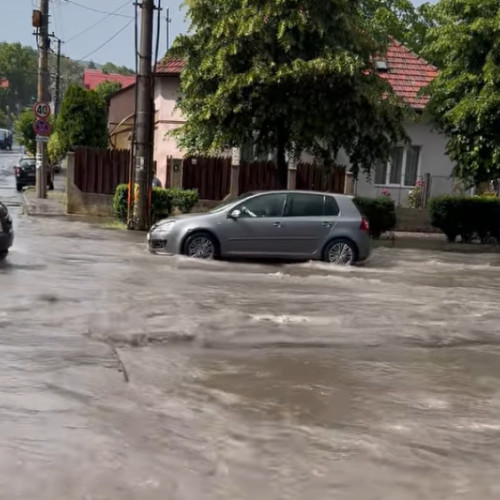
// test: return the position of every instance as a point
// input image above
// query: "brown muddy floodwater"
(125, 375)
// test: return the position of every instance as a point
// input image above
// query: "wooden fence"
(258, 176)
(99, 171)
(312, 177)
(210, 176)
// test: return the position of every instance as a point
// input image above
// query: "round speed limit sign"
(42, 110)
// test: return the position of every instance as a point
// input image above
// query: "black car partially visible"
(6, 231)
(26, 174)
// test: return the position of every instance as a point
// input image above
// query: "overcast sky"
(88, 28)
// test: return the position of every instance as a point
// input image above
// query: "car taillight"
(16, 170)
(364, 225)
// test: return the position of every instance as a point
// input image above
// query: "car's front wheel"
(200, 245)
(341, 252)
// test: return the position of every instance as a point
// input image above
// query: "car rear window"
(28, 163)
(331, 206)
(311, 205)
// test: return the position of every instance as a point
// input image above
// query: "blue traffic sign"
(41, 127)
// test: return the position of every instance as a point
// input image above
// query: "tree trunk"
(281, 161)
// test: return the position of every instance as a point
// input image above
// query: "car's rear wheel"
(19, 187)
(200, 245)
(341, 252)
(3, 254)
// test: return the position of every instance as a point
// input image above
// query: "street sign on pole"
(41, 110)
(42, 138)
(41, 127)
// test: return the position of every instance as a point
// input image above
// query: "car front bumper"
(164, 242)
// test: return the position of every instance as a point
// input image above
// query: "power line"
(98, 22)
(107, 41)
(99, 11)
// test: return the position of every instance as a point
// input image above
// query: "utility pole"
(43, 94)
(57, 98)
(168, 28)
(144, 119)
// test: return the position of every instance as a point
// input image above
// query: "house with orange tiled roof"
(423, 158)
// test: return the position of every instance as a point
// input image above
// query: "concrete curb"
(35, 207)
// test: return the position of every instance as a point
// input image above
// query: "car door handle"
(326, 224)
(277, 224)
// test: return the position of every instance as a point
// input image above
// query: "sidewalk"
(430, 241)
(52, 206)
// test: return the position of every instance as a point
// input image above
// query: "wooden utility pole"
(57, 98)
(144, 120)
(43, 93)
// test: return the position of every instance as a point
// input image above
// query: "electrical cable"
(106, 42)
(98, 22)
(97, 10)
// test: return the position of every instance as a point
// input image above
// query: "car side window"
(331, 206)
(270, 205)
(305, 205)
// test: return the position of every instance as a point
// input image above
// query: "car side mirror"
(234, 214)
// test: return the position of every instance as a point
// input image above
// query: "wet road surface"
(130, 376)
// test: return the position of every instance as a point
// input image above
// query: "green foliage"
(110, 67)
(163, 201)
(82, 120)
(183, 199)
(465, 97)
(23, 131)
(286, 75)
(399, 19)
(4, 119)
(55, 150)
(18, 64)
(380, 212)
(107, 88)
(469, 217)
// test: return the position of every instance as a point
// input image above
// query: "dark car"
(26, 174)
(6, 231)
(5, 139)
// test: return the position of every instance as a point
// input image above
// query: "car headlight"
(165, 225)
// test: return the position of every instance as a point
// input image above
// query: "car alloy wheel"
(200, 247)
(340, 253)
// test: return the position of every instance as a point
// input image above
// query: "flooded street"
(126, 375)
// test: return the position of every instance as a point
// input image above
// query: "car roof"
(301, 191)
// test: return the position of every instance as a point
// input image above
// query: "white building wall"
(433, 160)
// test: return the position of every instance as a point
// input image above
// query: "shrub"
(380, 212)
(183, 199)
(120, 202)
(470, 217)
(162, 202)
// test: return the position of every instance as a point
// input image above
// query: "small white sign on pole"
(236, 156)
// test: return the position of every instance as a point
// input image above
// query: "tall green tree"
(399, 19)
(24, 132)
(287, 75)
(465, 97)
(82, 120)
(18, 64)
(108, 88)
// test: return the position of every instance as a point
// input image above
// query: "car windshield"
(224, 205)
(27, 163)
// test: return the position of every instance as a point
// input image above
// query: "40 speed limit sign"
(41, 110)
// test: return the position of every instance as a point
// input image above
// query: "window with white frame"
(401, 169)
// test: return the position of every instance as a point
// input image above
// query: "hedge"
(163, 201)
(380, 212)
(470, 217)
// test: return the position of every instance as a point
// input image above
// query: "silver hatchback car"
(296, 225)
